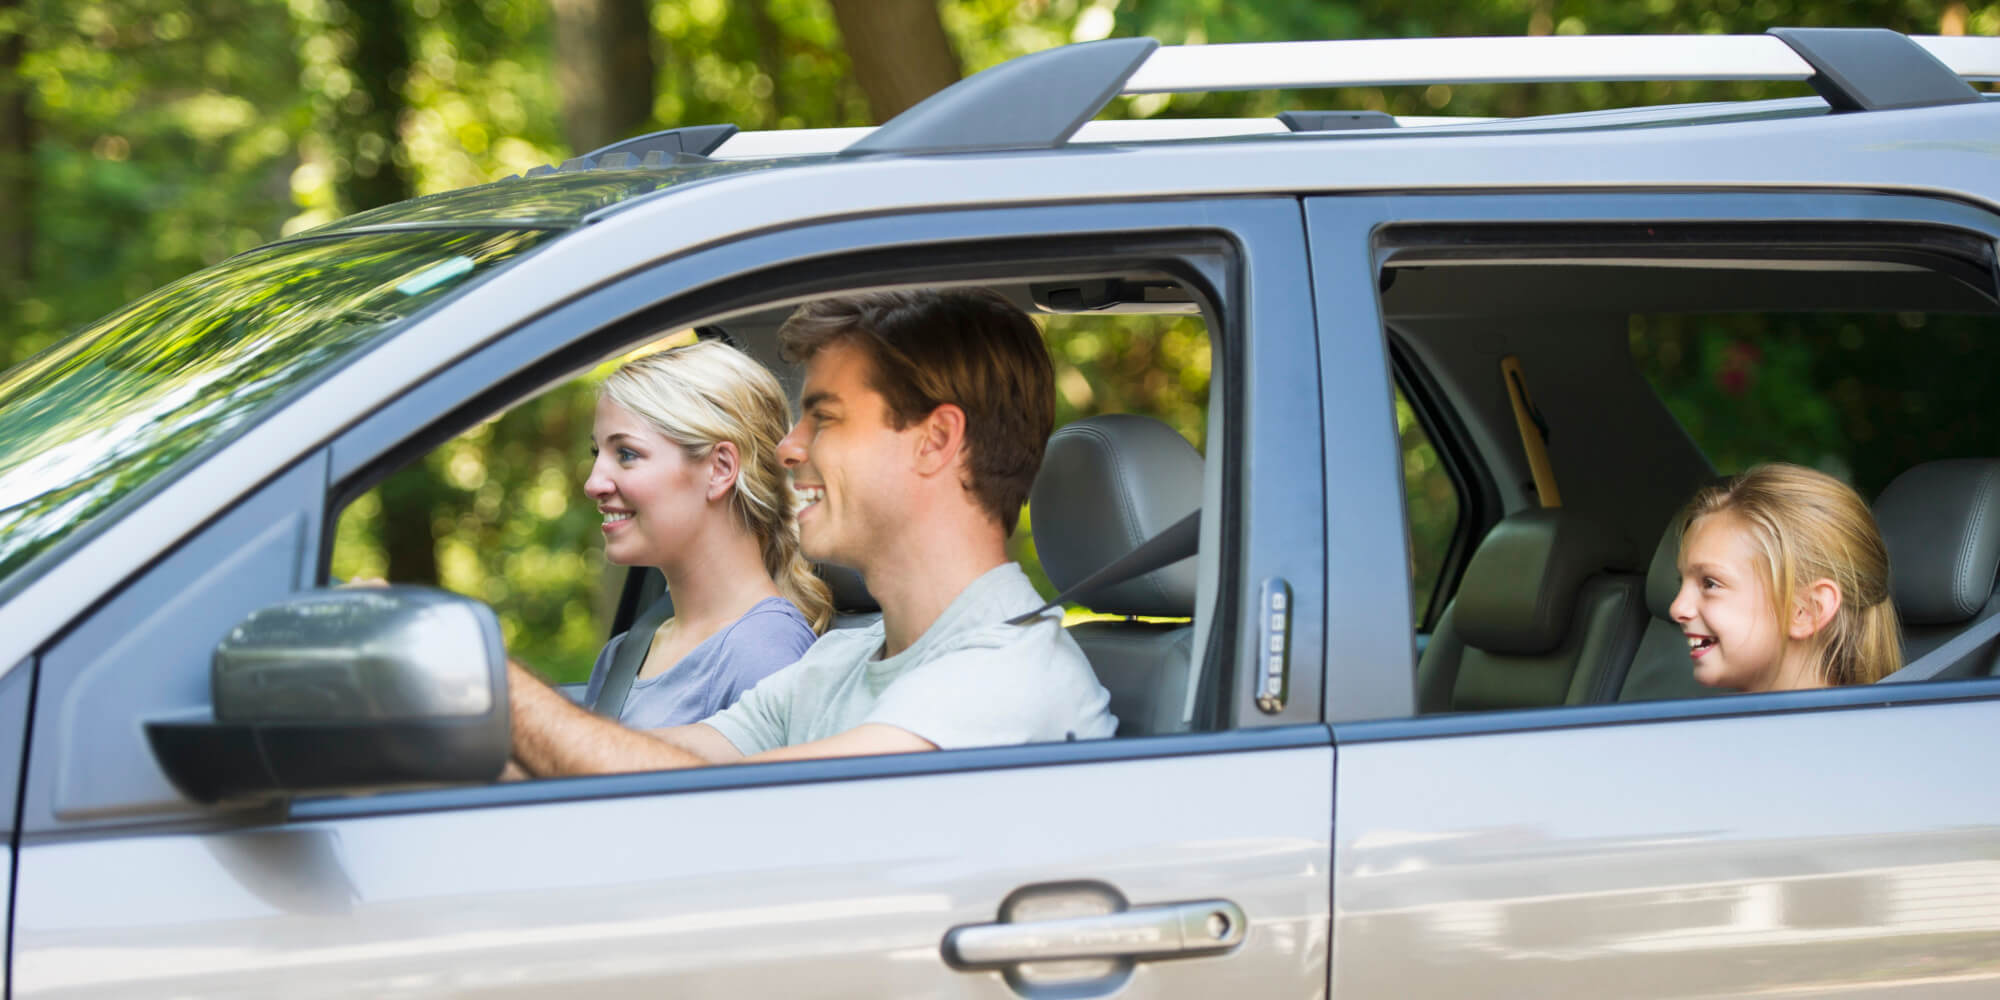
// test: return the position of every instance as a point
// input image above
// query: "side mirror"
(341, 690)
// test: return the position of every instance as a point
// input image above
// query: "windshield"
(99, 417)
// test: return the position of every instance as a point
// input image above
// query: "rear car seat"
(1108, 483)
(1661, 668)
(1941, 522)
(1548, 606)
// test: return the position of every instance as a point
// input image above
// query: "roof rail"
(1039, 100)
(1874, 69)
(1336, 121)
(1035, 102)
(699, 140)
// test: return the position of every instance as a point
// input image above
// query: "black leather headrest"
(1520, 589)
(1108, 483)
(850, 594)
(1663, 575)
(1941, 522)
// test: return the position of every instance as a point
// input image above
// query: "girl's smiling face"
(1725, 607)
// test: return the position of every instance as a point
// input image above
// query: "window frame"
(1857, 209)
(1470, 478)
(1222, 249)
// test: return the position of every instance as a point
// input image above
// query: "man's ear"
(1815, 609)
(940, 439)
(724, 465)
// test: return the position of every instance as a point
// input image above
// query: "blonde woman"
(1785, 584)
(686, 475)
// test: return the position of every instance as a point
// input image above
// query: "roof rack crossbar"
(1387, 62)
(1874, 69)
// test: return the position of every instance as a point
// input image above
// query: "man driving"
(923, 419)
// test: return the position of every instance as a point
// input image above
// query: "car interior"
(1566, 603)
(1133, 361)
(1520, 603)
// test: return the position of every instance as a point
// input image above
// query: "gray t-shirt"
(970, 680)
(769, 637)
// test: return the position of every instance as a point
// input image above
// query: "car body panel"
(16, 690)
(144, 653)
(1916, 150)
(1841, 852)
(827, 889)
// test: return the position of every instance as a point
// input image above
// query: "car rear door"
(1189, 865)
(1811, 843)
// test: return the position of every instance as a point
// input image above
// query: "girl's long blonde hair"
(706, 393)
(1806, 526)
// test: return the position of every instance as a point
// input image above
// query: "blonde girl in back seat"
(1784, 584)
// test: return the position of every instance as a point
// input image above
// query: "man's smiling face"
(850, 468)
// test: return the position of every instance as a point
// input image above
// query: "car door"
(14, 688)
(1184, 865)
(1810, 843)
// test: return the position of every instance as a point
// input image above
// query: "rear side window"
(1862, 396)
(1432, 502)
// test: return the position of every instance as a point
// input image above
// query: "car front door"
(1188, 865)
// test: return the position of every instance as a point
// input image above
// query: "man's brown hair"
(968, 347)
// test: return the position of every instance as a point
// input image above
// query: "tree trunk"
(605, 69)
(770, 55)
(899, 51)
(17, 147)
(369, 135)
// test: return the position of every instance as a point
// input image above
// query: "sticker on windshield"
(435, 275)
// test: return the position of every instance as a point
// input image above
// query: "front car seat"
(1107, 484)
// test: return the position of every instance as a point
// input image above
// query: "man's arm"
(863, 740)
(554, 737)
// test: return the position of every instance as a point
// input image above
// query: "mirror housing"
(344, 690)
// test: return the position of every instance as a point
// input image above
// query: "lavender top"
(714, 674)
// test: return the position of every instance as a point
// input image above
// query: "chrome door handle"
(1172, 930)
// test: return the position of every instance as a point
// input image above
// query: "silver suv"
(1409, 720)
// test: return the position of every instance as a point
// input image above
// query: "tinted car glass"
(1863, 396)
(101, 416)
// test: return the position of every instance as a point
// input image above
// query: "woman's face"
(653, 497)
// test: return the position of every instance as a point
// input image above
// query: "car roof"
(1041, 107)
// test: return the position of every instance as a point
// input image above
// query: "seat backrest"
(1549, 604)
(853, 605)
(1941, 522)
(1661, 667)
(1108, 483)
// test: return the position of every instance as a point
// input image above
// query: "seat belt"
(630, 657)
(1179, 541)
(1933, 663)
(1534, 432)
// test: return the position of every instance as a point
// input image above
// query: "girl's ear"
(1815, 609)
(724, 464)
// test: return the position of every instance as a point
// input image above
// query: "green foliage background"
(168, 138)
